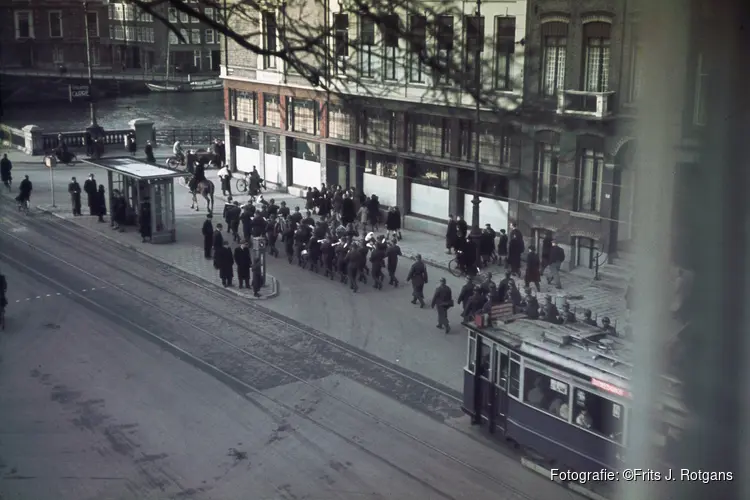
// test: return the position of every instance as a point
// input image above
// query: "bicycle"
(457, 270)
(243, 185)
(23, 206)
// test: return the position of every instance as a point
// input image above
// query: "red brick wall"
(226, 103)
(323, 125)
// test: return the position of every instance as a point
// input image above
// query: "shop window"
(272, 110)
(249, 139)
(304, 115)
(381, 165)
(490, 184)
(598, 415)
(339, 123)
(272, 145)
(378, 129)
(429, 175)
(428, 135)
(546, 393)
(309, 151)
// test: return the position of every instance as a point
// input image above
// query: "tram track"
(243, 349)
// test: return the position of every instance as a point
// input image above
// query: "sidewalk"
(605, 297)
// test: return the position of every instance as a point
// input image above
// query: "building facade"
(141, 42)
(388, 131)
(50, 34)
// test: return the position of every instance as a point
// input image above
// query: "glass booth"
(155, 195)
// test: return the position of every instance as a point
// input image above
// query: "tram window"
(502, 365)
(546, 393)
(515, 379)
(599, 415)
(472, 356)
(485, 353)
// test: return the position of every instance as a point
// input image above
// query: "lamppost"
(476, 233)
(94, 129)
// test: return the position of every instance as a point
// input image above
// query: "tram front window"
(485, 351)
(546, 393)
(599, 415)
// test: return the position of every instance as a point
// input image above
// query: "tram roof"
(127, 165)
(576, 346)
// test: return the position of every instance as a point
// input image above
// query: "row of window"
(132, 33)
(193, 37)
(589, 175)
(535, 387)
(427, 135)
(24, 24)
(127, 12)
(175, 16)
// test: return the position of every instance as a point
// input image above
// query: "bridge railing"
(78, 139)
(200, 137)
(12, 137)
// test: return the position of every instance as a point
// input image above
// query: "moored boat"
(153, 87)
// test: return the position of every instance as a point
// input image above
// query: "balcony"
(596, 105)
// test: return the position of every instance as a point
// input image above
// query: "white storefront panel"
(305, 173)
(494, 212)
(274, 171)
(383, 187)
(247, 158)
(429, 201)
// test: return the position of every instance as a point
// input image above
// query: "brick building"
(50, 33)
(388, 133)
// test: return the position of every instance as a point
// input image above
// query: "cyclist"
(177, 151)
(24, 192)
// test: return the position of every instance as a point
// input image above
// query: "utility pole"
(476, 232)
(94, 129)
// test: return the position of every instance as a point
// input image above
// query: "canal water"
(193, 110)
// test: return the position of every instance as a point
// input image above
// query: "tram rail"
(241, 349)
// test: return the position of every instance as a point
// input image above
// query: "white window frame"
(59, 23)
(195, 36)
(269, 62)
(95, 59)
(368, 53)
(596, 59)
(554, 82)
(185, 34)
(194, 20)
(197, 58)
(210, 38)
(184, 18)
(699, 100)
(417, 68)
(16, 21)
(341, 60)
(173, 40)
(210, 13)
(504, 62)
(94, 32)
(546, 174)
(58, 54)
(172, 15)
(119, 32)
(590, 173)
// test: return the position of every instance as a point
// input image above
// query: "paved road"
(132, 385)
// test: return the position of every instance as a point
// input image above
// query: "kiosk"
(144, 187)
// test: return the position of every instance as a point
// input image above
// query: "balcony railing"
(597, 105)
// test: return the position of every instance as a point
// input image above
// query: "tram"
(562, 391)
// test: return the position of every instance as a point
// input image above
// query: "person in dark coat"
(533, 272)
(451, 234)
(101, 203)
(226, 264)
(272, 234)
(5, 167)
(313, 254)
(328, 255)
(145, 222)
(119, 211)
(243, 261)
(257, 277)
(377, 261)
(90, 188)
(393, 222)
(502, 248)
(466, 291)
(515, 250)
(462, 227)
(341, 250)
(556, 258)
(149, 150)
(487, 245)
(218, 242)
(208, 236)
(392, 254)
(233, 220)
(131, 143)
(443, 300)
(348, 210)
(418, 278)
(75, 196)
(373, 211)
(287, 237)
(354, 263)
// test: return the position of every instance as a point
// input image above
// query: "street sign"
(77, 92)
(50, 161)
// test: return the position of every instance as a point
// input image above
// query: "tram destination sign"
(79, 92)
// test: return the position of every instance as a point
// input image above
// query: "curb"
(272, 282)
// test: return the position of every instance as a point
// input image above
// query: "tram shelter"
(144, 187)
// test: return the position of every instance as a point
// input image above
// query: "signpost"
(259, 252)
(51, 162)
(76, 92)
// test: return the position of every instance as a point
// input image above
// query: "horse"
(206, 189)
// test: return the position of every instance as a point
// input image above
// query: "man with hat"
(75, 195)
(91, 188)
(243, 261)
(418, 277)
(208, 236)
(443, 300)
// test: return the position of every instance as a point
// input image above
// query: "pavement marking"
(58, 294)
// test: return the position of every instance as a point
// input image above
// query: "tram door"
(500, 373)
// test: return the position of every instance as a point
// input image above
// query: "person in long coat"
(218, 241)
(354, 264)
(75, 195)
(257, 277)
(546, 251)
(502, 248)
(533, 271)
(392, 254)
(348, 210)
(226, 264)
(5, 167)
(451, 234)
(101, 203)
(418, 278)
(442, 301)
(373, 211)
(243, 261)
(145, 222)
(90, 188)
(208, 236)
(515, 249)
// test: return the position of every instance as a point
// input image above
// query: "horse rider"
(177, 151)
